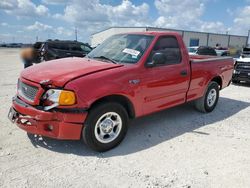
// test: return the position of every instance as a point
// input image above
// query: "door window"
(59, 46)
(168, 46)
(85, 48)
(76, 47)
(206, 51)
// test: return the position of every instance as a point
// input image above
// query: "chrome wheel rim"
(211, 97)
(108, 127)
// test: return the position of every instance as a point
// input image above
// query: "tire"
(105, 126)
(235, 81)
(208, 102)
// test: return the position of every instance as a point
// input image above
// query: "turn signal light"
(67, 98)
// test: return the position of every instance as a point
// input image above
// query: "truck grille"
(242, 66)
(26, 91)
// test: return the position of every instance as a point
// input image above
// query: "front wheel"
(208, 102)
(105, 126)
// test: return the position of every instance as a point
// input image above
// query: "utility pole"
(76, 32)
(248, 37)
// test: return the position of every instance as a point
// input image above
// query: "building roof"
(177, 30)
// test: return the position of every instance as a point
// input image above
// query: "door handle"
(183, 73)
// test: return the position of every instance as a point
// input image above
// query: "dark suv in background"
(202, 50)
(56, 49)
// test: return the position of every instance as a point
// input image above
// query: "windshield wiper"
(106, 58)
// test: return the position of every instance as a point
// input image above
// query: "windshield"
(122, 48)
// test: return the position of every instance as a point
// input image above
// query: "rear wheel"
(105, 127)
(208, 102)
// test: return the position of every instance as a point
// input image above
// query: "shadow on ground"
(243, 84)
(151, 130)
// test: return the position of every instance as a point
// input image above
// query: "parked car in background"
(192, 50)
(3, 45)
(14, 45)
(56, 49)
(202, 50)
(127, 76)
(53, 49)
(242, 67)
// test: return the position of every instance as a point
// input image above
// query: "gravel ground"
(179, 147)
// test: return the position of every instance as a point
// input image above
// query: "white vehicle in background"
(192, 50)
(246, 52)
(242, 67)
(245, 55)
(222, 52)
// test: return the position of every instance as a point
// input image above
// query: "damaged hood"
(59, 72)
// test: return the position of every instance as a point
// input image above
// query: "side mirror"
(157, 59)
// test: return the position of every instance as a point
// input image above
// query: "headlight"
(56, 97)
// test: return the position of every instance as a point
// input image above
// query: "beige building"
(191, 38)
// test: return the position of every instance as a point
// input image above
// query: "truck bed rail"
(200, 60)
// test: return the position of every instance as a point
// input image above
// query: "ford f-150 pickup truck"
(127, 76)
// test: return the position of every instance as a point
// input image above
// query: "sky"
(26, 20)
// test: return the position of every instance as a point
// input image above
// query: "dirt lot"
(179, 147)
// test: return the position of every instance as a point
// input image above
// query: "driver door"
(165, 85)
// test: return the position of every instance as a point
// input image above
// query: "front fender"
(89, 89)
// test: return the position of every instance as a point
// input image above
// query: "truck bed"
(205, 68)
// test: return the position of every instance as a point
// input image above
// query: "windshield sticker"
(131, 52)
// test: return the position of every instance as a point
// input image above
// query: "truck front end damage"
(32, 114)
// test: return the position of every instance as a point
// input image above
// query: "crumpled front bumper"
(55, 124)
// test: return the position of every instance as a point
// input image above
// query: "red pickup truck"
(127, 76)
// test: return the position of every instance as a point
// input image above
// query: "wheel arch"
(218, 80)
(121, 99)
